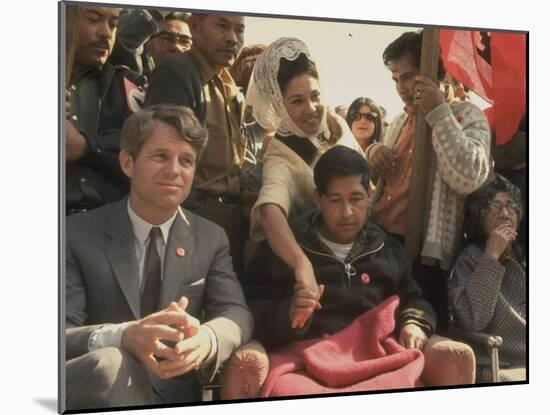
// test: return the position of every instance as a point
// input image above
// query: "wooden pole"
(71, 35)
(419, 200)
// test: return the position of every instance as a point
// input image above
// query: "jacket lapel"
(176, 266)
(122, 255)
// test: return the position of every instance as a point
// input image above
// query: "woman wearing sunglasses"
(365, 121)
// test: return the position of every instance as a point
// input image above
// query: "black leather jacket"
(177, 80)
(97, 178)
(269, 284)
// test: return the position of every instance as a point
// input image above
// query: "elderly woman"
(487, 289)
(285, 96)
(365, 119)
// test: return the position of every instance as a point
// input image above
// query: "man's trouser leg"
(107, 378)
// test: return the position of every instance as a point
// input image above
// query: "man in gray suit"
(153, 305)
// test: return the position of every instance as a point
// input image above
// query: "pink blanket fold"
(360, 357)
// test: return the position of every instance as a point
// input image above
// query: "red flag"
(508, 59)
(494, 70)
(461, 60)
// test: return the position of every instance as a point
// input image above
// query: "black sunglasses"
(367, 116)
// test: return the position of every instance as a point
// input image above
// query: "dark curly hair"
(478, 201)
(409, 44)
(340, 161)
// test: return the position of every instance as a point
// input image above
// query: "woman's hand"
(304, 303)
(499, 239)
(305, 283)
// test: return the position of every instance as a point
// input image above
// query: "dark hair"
(409, 44)
(291, 69)
(478, 201)
(340, 161)
(241, 70)
(355, 107)
(181, 16)
(139, 126)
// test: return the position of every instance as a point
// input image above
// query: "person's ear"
(126, 163)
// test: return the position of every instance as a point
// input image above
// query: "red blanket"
(361, 357)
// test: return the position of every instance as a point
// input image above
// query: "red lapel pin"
(180, 251)
(365, 279)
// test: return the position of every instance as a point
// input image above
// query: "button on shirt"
(84, 100)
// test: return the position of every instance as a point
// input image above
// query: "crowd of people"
(213, 197)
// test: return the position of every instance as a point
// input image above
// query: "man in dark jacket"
(146, 37)
(357, 264)
(100, 97)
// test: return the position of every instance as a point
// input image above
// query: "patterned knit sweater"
(461, 142)
(489, 296)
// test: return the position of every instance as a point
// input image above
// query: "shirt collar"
(206, 69)
(142, 228)
(369, 237)
(208, 72)
(410, 110)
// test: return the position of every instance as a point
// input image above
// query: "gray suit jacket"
(102, 285)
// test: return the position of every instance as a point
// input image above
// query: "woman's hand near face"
(499, 239)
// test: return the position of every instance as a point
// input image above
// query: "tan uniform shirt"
(218, 171)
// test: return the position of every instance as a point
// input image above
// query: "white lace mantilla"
(264, 93)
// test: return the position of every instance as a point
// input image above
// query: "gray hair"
(139, 126)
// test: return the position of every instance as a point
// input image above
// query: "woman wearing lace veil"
(285, 95)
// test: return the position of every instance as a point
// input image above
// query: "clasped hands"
(192, 342)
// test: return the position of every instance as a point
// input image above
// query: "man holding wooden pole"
(433, 155)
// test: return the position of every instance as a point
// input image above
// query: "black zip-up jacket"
(269, 285)
(97, 178)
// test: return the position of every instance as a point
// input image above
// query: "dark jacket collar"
(304, 227)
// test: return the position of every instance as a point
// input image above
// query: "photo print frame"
(97, 263)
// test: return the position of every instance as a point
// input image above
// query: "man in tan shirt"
(200, 80)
